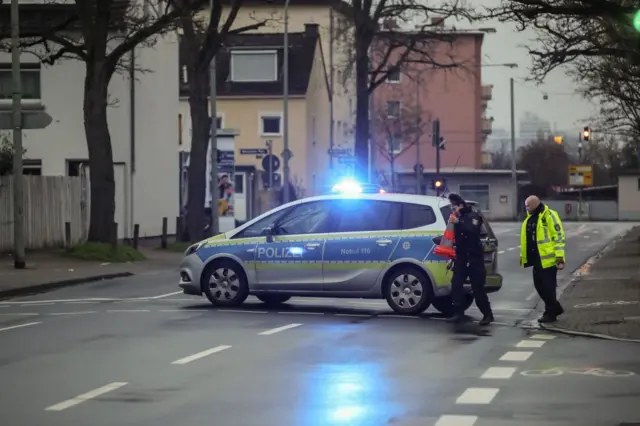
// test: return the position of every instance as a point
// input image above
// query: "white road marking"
(199, 355)
(185, 310)
(241, 311)
(530, 344)
(542, 336)
(301, 313)
(477, 396)
(512, 248)
(86, 396)
(81, 303)
(516, 356)
(127, 310)
(74, 313)
(501, 252)
(161, 296)
(498, 373)
(532, 296)
(20, 314)
(91, 299)
(278, 329)
(456, 421)
(20, 326)
(38, 304)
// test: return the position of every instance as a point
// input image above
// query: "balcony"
(486, 94)
(487, 125)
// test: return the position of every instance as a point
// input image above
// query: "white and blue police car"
(350, 244)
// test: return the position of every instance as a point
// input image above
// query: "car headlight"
(194, 248)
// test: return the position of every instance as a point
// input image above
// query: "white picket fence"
(49, 202)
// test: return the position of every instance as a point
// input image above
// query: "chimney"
(437, 21)
(311, 29)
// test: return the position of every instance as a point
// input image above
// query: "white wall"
(155, 184)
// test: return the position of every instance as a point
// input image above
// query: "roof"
(302, 51)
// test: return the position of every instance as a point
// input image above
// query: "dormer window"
(254, 66)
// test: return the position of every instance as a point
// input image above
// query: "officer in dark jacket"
(469, 260)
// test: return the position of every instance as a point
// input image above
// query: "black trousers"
(474, 269)
(545, 280)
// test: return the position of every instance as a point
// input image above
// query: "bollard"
(114, 235)
(67, 233)
(178, 229)
(163, 241)
(136, 235)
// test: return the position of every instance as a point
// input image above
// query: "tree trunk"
(102, 182)
(392, 163)
(362, 107)
(197, 178)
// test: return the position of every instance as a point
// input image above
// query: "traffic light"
(436, 133)
(438, 184)
(586, 133)
(558, 140)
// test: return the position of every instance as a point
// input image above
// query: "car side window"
(307, 218)
(446, 211)
(417, 215)
(257, 229)
(366, 216)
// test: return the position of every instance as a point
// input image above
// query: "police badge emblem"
(475, 222)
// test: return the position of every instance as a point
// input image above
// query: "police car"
(359, 245)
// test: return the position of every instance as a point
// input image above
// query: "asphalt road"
(133, 352)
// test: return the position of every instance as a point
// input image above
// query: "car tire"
(444, 304)
(273, 299)
(225, 283)
(408, 290)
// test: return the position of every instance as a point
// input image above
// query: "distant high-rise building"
(499, 140)
(531, 127)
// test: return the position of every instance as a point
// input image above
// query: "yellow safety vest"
(549, 236)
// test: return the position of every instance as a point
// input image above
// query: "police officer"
(469, 260)
(542, 246)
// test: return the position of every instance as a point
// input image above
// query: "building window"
(393, 76)
(32, 167)
(74, 167)
(30, 79)
(270, 124)
(219, 122)
(251, 65)
(478, 193)
(394, 145)
(393, 109)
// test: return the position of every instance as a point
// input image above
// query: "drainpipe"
(132, 136)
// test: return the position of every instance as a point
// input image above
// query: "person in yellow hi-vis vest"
(542, 245)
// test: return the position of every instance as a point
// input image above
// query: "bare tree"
(393, 33)
(546, 162)
(396, 129)
(102, 34)
(203, 36)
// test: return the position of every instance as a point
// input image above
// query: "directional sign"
(580, 175)
(30, 120)
(339, 152)
(253, 151)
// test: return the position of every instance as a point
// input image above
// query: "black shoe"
(547, 318)
(559, 310)
(486, 320)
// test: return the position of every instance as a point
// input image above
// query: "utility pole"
(580, 188)
(436, 143)
(419, 137)
(331, 89)
(285, 106)
(215, 229)
(514, 175)
(18, 199)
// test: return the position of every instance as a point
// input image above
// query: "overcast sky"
(564, 108)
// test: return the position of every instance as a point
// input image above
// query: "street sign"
(254, 151)
(30, 120)
(226, 161)
(339, 152)
(580, 175)
(270, 163)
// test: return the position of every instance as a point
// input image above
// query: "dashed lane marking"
(516, 356)
(498, 373)
(300, 313)
(13, 327)
(448, 420)
(501, 252)
(279, 329)
(199, 355)
(127, 310)
(530, 344)
(21, 314)
(477, 396)
(86, 396)
(73, 313)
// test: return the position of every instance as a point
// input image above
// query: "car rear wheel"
(273, 299)
(444, 304)
(225, 284)
(408, 290)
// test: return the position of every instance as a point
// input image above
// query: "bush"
(105, 253)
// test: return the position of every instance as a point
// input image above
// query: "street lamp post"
(285, 106)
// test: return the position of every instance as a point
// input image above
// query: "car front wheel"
(225, 284)
(408, 290)
(444, 304)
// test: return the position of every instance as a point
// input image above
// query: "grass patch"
(105, 252)
(179, 247)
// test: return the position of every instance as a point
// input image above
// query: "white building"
(142, 122)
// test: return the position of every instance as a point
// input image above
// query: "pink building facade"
(404, 107)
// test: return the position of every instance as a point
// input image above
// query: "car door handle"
(383, 242)
(312, 245)
(251, 250)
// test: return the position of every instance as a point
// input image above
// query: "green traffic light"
(636, 21)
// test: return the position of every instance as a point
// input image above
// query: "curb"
(586, 334)
(41, 288)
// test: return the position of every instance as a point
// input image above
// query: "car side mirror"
(268, 233)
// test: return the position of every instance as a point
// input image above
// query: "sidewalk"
(604, 297)
(46, 270)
